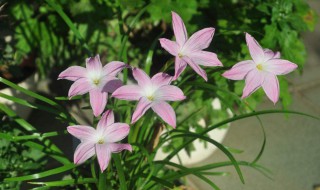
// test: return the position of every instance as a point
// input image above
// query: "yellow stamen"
(96, 81)
(151, 98)
(180, 55)
(259, 67)
(101, 141)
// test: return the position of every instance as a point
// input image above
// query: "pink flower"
(189, 51)
(151, 93)
(262, 70)
(95, 79)
(100, 141)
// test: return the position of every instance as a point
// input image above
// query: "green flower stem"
(93, 171)
(135, 132)
(122, 179)
(102, 181)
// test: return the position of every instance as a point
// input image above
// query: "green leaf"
(51, 150)
(185, 171)
(30, 104)
(38, 136)
(23, 123)
(65, 182)
(122, 178)
(215, 143)
(150, 53)
(68, 21)
(42, 174)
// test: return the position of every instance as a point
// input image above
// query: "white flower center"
(95, 78)
(149, 92)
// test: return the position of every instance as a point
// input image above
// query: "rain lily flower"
(100, 141)
(95, 79)
(190, 51)
(151, 93)
(262, 70)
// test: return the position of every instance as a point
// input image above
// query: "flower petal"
(166, 112)
(116, 132)
(161, 79)
(93, 64)
(205, 58)
(141, 77)
(277, 55)
(103, 155)
(80, 87)
(113, 68)
(128, 92)
(179, 66)
(239, 70)
(179, 29)
(111, 84)
(169, 93)
(271, 86)
(84, 151)
(106, 119)
(196, 68)
(254, 80)
(170, 46)
(82, 132)
(268, 54)
(255, 49)
(116, 147)
(143, 105)
(73, 73)
(98, 101)
(279, 66)
(199, 41)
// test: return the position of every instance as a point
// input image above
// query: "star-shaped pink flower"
(262, 70)
(190, 51)
(95, 79)
(151, 93)
(100, 141)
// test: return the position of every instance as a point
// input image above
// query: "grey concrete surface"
(292, 150)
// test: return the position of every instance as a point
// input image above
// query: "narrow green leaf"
(102, 183)
(30, 104)
(68, 21)
(23, 123)
(65, 182)
(218, 145)
(29, 93)
(263, 142)
(150, 162)
(215, 173)
(126, 36)
(42, 174)
(38, 136)
(67, 98)
(51, 150)
(122, 178)
(150, 53)
(183, 171)
(165, 183)
(233, 150)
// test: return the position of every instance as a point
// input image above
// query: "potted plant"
(117, 149)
